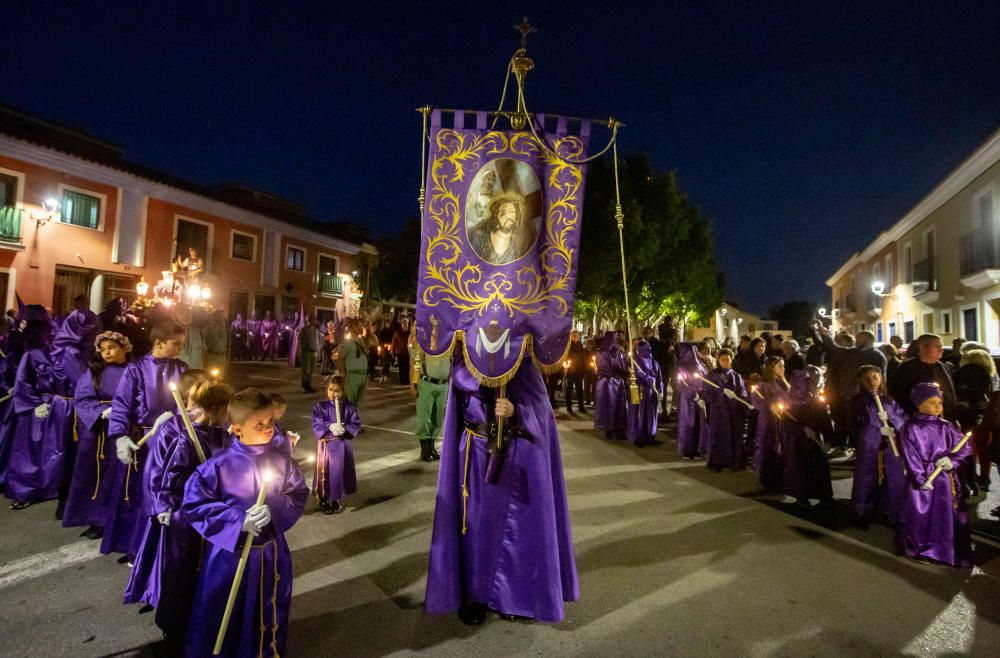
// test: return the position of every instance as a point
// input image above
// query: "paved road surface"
(674, 560)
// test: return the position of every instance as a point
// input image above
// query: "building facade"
(938, 268)
(114, 223)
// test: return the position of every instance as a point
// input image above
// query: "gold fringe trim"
(527, 347)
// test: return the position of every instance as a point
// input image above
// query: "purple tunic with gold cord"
(510, 545)
(216, 499)
(335, 475)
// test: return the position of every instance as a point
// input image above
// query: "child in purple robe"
(611, 398)
(142, 399)
(43, 416)
(727, 415)
(335, 422)
(285, 438)
(219, 503)
(90, 487)
(803, 424)
(765, 395)
(643, 417)
(692, 412)
(166, 565)
(933, 524)
(878, 471)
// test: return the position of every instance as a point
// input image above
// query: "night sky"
(802, 128)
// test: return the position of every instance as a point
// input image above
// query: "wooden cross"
(525, 28)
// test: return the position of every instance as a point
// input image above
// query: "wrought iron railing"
(978, 251)
(10, 224)
(925, 276)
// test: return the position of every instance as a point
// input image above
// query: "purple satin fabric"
(166, 564)
(806, 472)
(868, 495)
(517, 555)
(644, 417)
(933, 524)
(767, 455)
(335, 475)
(726, 419)
(92, 482)
(611, 394)
(36, 463)
(216, 498)
(253, 337)
(269, 338)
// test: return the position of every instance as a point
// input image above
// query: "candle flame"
(267, 475)
(311, 459)
(215, 372)
(173, 386)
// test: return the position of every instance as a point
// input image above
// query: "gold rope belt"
(102, 437)
(465, 478)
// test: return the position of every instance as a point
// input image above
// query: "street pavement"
(674, 560)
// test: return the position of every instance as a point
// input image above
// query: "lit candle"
(756, 392)
(336, 406)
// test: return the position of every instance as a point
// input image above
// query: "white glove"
(337, 429)
(250, 524)
(42, 410)
(164, 518)
(106, 413)
(261, 516)
(701, 405)
(294, 437)
(729, 393)
(927, 486)
(124, 447)
(883, 416)
(162, 418)
(944, 464)
(887, 431)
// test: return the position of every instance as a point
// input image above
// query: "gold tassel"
(465, 482)
(881, 468)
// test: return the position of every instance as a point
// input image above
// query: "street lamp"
(142, 287)
(51, 207)
(822, 311)
(878, 288)
(206, 293)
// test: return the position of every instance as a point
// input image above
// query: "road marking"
(378, 427)
(384, 463)
(41, 564)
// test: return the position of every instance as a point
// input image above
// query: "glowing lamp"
(822, 311)
(142, 288)
(194, 291)
(878, 288)
(206, 293)
(51, 205)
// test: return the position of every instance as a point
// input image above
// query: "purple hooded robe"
(878, 473)
(335, 476)
(515, 554)
(692, 421)
(216, 499)
(806, 473)
(611, 395)
(269, 337)
(253, 337)
(238, 338)
(643, 417)
(92, 482)
(767, 455)
(142, 395)
(726, 419)
(166, 564)
(933, 524)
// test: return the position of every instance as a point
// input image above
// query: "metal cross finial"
(525, 28)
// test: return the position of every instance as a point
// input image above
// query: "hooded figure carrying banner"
(499, 247)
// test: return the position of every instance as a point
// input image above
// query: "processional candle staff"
(240, 568)
(182, 410)
(937, 470)
(885, 423)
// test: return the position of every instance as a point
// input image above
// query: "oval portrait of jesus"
(503, 211)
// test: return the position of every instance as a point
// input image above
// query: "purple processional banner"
(499, 245)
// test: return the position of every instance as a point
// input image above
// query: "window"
(878, 332)
(892, 329)
(928, 323)
(908, 263)
(295, 259)
(80, 209)
(890, 276)
(328, 281)
(244, 246)
(970, 324)
(908, 331)
(877, 273)
(8, 190)
(946, 322)
(984, 209)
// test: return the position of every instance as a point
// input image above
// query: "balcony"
(925, 281)
(979, 260)
(330, 285)
(10, 228)
(874, 305)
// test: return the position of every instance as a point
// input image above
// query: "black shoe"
(324, 507)
(124, 559)
(425, 451)
(472, 614)
(93, 532)
(435, 455)
(60, 508)
(336, 507)
(146, 608)
(507, 617)
(20, 504)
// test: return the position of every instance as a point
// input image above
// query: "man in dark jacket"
(577, 359)
(794, 359)
(926, 366)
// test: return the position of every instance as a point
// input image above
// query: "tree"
(669, 249)
(395, 274)
(795, 315)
